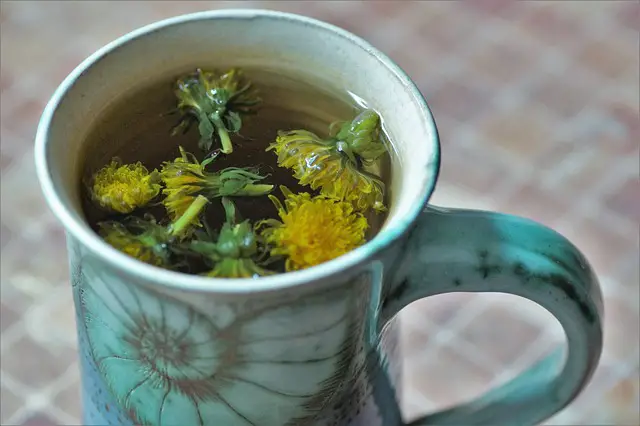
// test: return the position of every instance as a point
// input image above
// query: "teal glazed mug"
(312, 347)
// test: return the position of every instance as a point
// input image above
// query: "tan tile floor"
(537, 105)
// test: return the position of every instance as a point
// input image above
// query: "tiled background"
(537, 105)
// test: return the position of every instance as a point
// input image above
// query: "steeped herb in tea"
(218, 102)
(313, 230)
(336, 164)
(147, 240)
(185, 178)
(124, 188)
(236, 252)
(185, 214)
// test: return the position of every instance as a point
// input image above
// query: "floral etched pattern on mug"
(167, 362)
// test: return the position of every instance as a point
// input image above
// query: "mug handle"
(452, 250)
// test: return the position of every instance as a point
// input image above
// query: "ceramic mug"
(312, 347)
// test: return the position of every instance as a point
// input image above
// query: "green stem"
(225, 140)
(252, 190)
(189, 215)
(229, 210)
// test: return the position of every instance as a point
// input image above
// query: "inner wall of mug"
(281, 43)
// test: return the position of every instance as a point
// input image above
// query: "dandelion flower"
(118, 236)
(313, 230)
(124, 188)
(336, 165)
(185, 178)
(236, 252)
(218, 102)
(147, 240)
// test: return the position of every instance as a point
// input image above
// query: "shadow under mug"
(317, 346)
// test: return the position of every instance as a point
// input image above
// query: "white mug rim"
(181, 281)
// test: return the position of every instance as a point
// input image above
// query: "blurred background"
(537, 106)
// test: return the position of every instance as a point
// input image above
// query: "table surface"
(537, 107)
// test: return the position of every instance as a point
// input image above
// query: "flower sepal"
(235, 252)
(361, 136)
(217, 101)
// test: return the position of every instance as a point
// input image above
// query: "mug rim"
(181, 281)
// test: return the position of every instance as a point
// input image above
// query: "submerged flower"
(118, 235)
(235, 252)
(313, 230)
(218, 102)
(185, 178)
(147, 240)
(336, 165)
(124, 188)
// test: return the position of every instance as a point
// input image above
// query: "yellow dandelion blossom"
(118, 236)
(146, 239)
(185, 178)
(322, 166)
(124, 188)
(313, 230)
(336, 165)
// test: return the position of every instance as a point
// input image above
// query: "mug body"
(158, 356)
(163, 348)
